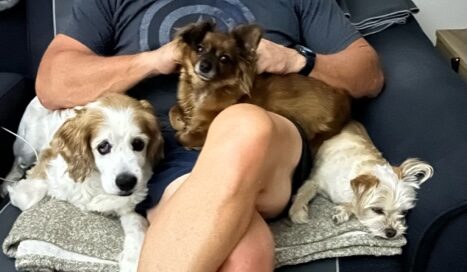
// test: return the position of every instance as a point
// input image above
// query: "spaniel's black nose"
(126, 182)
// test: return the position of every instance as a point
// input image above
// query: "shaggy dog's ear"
(194, 33)
(415, 171)
(363, 184)
(147, 106)
(247, 37)
(73, 142)
(148, 121)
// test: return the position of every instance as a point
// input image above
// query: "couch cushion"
(8, 81)
(422, 112)
(40, 30)
(13, 53)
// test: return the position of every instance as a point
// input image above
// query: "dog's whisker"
(24, 140)
(8, 180)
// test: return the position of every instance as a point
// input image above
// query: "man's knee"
(245, 126)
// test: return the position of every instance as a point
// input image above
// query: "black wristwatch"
(310, 57)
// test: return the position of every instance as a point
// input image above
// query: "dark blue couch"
(422, 112)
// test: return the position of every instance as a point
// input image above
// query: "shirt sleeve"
(324, 27)
(91, 23)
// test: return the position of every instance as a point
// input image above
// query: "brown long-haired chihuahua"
(219, 69)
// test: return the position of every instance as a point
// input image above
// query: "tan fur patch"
(398, 171)
(363, 183)
(72, 142)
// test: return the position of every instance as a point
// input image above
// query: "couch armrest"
(422, 112)
(15, 93)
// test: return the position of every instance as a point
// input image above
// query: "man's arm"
(71, 74)
(356, 68)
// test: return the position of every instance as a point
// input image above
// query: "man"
(213, 216)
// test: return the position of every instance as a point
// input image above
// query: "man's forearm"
(71, 74)
(74, 78)
(355, 69)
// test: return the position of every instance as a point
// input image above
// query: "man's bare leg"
(253, 253)
(245, 167)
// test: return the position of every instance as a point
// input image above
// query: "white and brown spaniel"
(100, 159)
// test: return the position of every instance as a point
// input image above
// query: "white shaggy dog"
(100, 159)
(352, 173)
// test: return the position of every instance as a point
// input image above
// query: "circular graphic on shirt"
(164, 17)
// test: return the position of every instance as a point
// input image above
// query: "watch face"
(304, 50)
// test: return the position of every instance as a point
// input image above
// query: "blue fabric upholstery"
(13, 45)
(422, 112)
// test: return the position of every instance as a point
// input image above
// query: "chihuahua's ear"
(363, 184)
(415, 171)
(194, 33)
(248, 37)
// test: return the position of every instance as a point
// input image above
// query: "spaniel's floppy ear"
(247, 37)
(72, 142)
(415, 171)
(363, 184)
(150, 124)
(194, 33)
(155, 150)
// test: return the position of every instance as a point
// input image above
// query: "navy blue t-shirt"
(119, 27)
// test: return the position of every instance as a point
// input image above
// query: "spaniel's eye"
(137, 144)
(199, 48)
(377, 210)
(224, 59)
(104, 148)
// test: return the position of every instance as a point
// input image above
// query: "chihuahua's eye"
(104, 148)
(137, 144)
(377, 210)
(199, 48)
(224, 59)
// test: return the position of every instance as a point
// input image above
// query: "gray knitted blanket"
(321, 238)
(56, 236)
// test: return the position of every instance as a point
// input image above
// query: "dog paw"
(341, 215)
(27, 193)
(299, 214)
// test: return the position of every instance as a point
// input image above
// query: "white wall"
(441, 14)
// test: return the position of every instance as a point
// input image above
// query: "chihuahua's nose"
(390, 232)
(125, 182)
(205, 66)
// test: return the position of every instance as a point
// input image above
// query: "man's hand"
(278, 59)
(165, 60)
